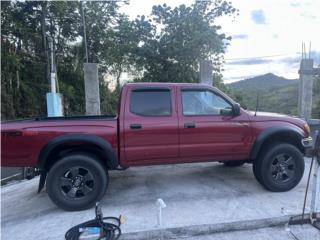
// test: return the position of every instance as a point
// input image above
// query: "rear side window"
(151, 102)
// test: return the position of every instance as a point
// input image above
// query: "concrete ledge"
(206, 229)
(314, 122)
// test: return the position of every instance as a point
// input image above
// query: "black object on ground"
(315, 157)
(109, 227)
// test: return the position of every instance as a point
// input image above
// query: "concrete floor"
(194, 194)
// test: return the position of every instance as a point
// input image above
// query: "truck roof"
(165, 84)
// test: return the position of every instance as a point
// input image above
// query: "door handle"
(135, 126)
(189, 125)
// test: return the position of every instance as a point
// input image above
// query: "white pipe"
(160, 204)
(53, 82)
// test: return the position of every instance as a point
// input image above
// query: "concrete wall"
(206, 72)
(11, 173)
(91, 84)
(305, 88)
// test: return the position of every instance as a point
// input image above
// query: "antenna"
(309, 50)
(257, 104)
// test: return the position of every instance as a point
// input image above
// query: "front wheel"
(76, 182)
(280, 167)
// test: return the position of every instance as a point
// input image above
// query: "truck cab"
(191, 122)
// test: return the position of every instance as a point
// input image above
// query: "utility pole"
(52, 66)
(91, 79)
(84, 31)
(44, 40)
(54, 99)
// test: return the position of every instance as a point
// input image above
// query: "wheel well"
(285, 137)
(68, 148)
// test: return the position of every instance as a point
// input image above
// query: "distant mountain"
(262, 82)
(276, 94)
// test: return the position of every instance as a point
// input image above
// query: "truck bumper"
(307, 143)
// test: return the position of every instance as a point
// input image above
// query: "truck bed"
(23, 140)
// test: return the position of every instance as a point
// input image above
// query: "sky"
(267, 34)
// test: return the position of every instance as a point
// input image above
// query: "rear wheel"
(234, 163)
(76, 182)
(279, 168)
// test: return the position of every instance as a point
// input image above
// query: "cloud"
(295, 4)
(290, 60)
(238, 78)
(315, 55)
(258, 16)
(300, 4)
(251, 61)
(308, 15)
(240, 36)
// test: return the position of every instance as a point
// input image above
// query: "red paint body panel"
(156, 140)
(214, 137)
(161, 140)
(24, 150)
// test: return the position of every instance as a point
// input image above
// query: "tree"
(120, 54)
(21, 57)
(187, 35)
(169, 53)
(24, 73)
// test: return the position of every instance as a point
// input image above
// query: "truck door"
(208, 130)
(150, 125)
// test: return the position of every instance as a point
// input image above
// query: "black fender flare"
(105, 147)
(271, 131)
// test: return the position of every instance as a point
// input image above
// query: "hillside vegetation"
(165, 46)
(275, 94)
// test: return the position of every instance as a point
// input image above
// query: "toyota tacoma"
(157, 123)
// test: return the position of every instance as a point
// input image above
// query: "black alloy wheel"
(279, 167)
(282, 168)
(77, 181)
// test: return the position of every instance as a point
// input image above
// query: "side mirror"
(236, 109)
(226, 112)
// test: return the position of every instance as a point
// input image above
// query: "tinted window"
(203, 102)
(151, 102)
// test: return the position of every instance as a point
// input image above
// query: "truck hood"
(268, 116)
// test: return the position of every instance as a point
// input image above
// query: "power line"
(265, 56)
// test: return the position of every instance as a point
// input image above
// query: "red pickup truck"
(157, 123)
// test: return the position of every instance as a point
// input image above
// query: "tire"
(77, 181)
(279, 167)
(234, 163)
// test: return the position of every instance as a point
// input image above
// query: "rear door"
(208, 130)
(150, 125)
